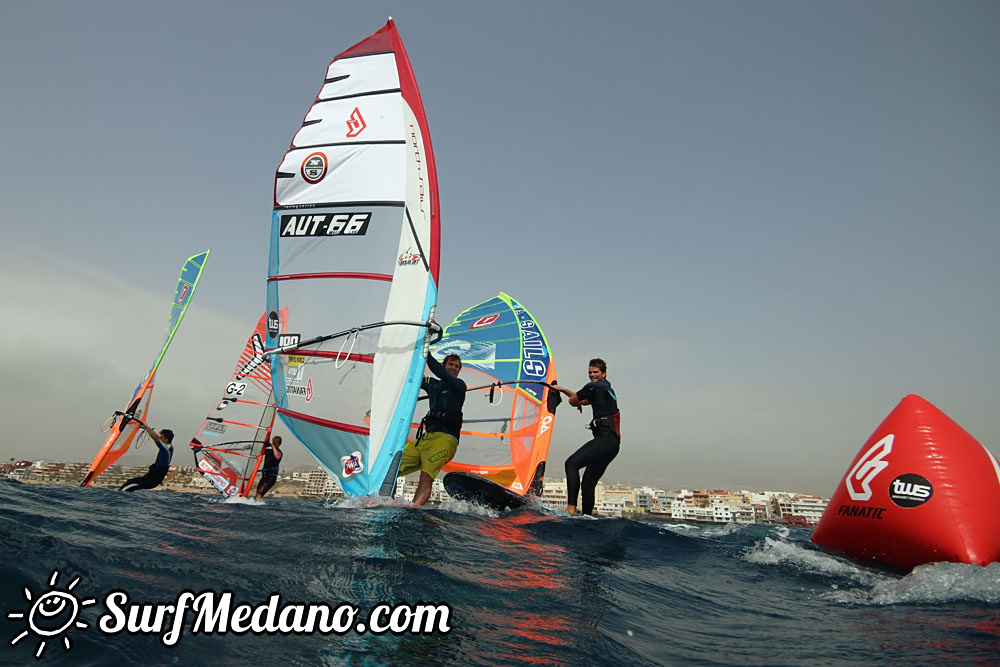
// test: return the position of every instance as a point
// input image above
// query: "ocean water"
(526, 587)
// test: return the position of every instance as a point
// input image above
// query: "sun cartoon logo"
(51, 615)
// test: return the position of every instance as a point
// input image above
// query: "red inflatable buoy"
(920, 490)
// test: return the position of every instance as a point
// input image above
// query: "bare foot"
(571, 509)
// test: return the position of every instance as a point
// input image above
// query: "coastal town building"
(710, 506)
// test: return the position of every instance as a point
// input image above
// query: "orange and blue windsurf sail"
(355, 238)
(509, 409)
(124, 425)
(229, 446)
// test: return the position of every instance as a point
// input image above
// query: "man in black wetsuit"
(597, 454)
(269, 469)
(160, 467)
(442, 425)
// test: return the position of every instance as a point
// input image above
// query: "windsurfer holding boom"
(599, 452)
(160, 467)
(269, 471)
(437, 439)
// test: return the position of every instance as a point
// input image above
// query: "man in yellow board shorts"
(442, 425)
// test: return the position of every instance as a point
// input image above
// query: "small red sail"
(921, 490)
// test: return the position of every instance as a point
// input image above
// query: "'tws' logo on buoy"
(910, 490)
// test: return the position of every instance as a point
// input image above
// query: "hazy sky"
(773, 219)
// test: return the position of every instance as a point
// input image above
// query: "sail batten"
(333, 275)
(333, 205)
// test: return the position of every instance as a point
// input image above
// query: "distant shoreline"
(286, 493)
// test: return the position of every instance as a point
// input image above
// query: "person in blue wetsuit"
(160, 467)
(599, 452)
(440, 428)
(269, 468)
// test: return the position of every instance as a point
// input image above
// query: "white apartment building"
(613, 500)
(810, 507)
(318, 483)
(409, 487)
(554, 493)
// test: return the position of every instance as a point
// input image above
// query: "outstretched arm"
(157, 438)
(574, 400)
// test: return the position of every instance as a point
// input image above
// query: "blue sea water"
(525, 587)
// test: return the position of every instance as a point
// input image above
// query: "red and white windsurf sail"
(229, 446)
(355, 238)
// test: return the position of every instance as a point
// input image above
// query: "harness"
(158, 471)
(271, 463)
(441, 421)
(606, 424)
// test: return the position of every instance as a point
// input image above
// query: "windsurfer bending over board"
(160, 467)
(439, 430)
(269, 471)
(598, 453)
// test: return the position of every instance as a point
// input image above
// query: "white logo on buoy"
(867, 469)
(910, 490)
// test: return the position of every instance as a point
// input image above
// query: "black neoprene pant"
(150, 480)
(595, 455)
(265, 484)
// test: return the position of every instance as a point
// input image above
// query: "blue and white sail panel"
(354, 242)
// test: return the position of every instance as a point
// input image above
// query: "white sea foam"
(933, 583)
(552, 511)
(365, 502)
(780, 551)
(239, 500)
(375, 501)
(726, 529)
(464, 507)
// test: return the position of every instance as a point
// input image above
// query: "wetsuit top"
(271, 461)
(604, 403)
(446, 398)
(163, 456)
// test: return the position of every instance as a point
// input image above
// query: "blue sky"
(773, 219)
